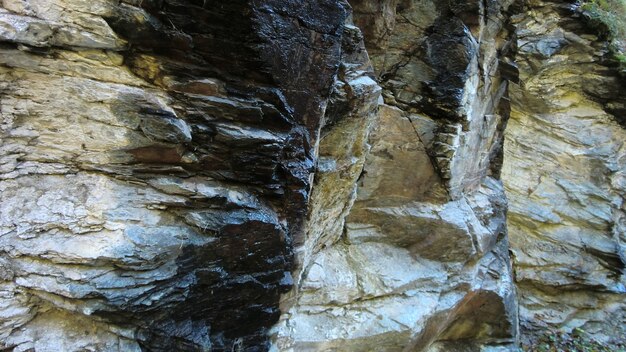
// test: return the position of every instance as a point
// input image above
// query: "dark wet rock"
(186, 163)
(286, 175)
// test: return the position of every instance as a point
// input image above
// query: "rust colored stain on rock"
(156, 155)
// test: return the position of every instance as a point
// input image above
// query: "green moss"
(610, 17)
(610, 14)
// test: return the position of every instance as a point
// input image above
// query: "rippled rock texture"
(288, 175)
(565, 176)
(155, 167)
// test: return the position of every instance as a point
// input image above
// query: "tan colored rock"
(155, 167)
(564, 170)
(407, 264)
(398, 168)
(184, 175)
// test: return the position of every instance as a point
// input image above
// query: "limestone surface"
(319, 175)
(155, 166)
(565, 176)
(417, 259)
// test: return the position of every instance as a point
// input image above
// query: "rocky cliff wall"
(564, 172)
(417, 258)
(249, 175)
(155, 171)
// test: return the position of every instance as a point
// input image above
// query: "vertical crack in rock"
(416, 257)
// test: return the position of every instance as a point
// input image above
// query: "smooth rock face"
(155, 167)
(423, 250)
(565, 176)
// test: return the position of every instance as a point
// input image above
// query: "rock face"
(286, 175)
(155, 164)
(565, 176)
(423, 250)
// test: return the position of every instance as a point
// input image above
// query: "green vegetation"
(576, 341)
(612, 13)
(610, 17)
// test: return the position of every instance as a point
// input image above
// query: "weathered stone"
(564, 168)
(205, 175)
(405, 265)
(155, 167)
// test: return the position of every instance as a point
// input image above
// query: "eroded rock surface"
(252, 175)
(565, 176)
(423, 250)
(154, 169)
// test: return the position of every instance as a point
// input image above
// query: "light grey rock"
(408, 260)
(563, 166)
(254, 175)
(156, 167)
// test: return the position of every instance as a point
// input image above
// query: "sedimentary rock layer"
(154, 169)
(287, 175)
(565, 176)
(420, 260)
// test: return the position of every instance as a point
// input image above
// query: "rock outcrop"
(286, 175)
(155, 171)
(420, 260)
(565, 176)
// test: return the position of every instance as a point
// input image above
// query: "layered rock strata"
(420, 260)
(155, 167)
(565, 176)
(252, 175)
